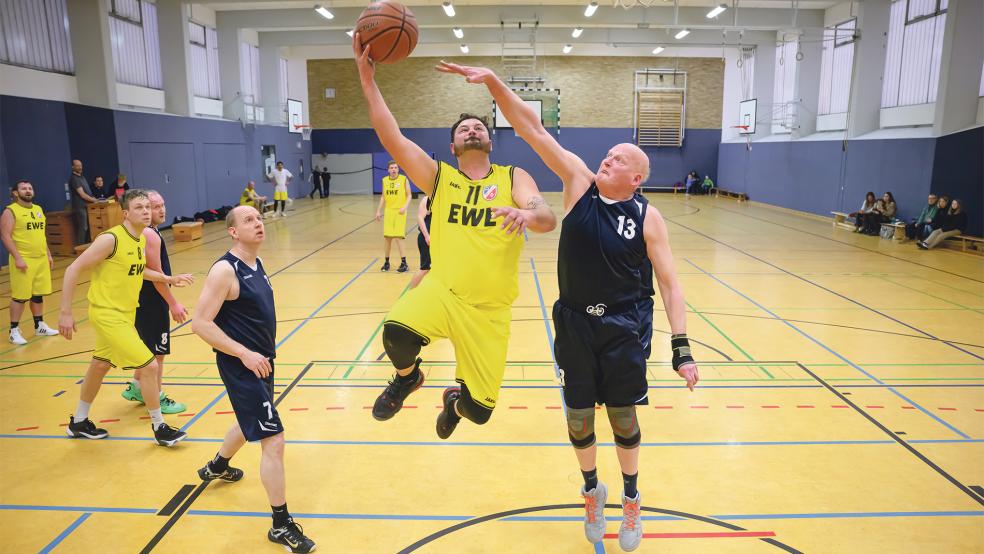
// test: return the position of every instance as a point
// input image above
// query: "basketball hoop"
(743, 130)
(305, 131)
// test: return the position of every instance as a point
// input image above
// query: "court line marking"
(365, 346)
(68, 531)
(832, 351)
(725, 335)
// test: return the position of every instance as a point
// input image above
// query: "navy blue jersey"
(602, 257)
(149, 294)
(251, 319)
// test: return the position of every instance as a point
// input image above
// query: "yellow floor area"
(840, 407)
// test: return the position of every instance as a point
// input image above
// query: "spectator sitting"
(708, 185)
(120, 187)
(249, 197)
(953, 224)
(917, 228)
(883, 212)
(99, 190)
(693, 183)
(867, 207)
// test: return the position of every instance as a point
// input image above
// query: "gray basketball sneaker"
(594, 512)
(630, 533)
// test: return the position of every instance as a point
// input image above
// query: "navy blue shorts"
(602, 359)
(153, 325)
(251, 398)
(645, 308)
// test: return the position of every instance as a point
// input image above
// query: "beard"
(25, 197)
(472, 144)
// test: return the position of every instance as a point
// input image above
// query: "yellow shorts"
(280, 195)
(394, 223)
(35, 281)
(117, 341)
(480, 334)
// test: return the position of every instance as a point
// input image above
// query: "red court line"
(63, 425)
(335, 408)
(305, 409)
(367, 407)
(517, 407)
(108, 420)
(770, 406)
(978, 410)
(874, 406)
(947, 409)
(35, 427)
(411, 407)
(145, 417)
(719, 535)
(699, 407)
(558, 407)
(908, 407)
(734, 407)
(186, 415)
(663, 407)
(224, 412)
(838, 406)
(805, 406)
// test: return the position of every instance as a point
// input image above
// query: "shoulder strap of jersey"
(116, 241)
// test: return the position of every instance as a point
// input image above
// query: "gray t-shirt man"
(78, 186)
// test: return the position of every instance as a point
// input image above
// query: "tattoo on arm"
(535, 202)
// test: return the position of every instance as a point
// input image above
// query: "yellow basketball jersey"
(244, 199)
(28, 231)
(395, 192)
(472, 256)
(116, 281)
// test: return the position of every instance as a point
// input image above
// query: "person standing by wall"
(78, 186)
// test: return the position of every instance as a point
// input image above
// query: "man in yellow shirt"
(117, 258)
(395, 200)
(249, 197)
(22, 231)
(476, 237)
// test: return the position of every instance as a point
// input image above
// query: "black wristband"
(681, 351)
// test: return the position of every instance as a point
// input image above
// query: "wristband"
(681, 351)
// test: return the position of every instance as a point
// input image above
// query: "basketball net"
(748, 137)
(305, 131)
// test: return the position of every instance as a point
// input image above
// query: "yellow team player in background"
(396, 198)
(22, 230)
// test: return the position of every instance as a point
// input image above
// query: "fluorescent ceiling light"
(577, 32)
(323, 12)
(464, 48)
(568, 48)
(658, 49)
(682, 33)
(350, 32)
(591, 9)
(716, 11)
(458, 33)
(448, 9)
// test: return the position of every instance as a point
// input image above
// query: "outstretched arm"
(421, 168)
(570, 168)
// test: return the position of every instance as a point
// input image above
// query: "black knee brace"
(625, 426)
(402, 345)
(471, 410)
(37, 299)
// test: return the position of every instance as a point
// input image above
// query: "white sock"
(156, 419)
(82, 411)
(135, 383)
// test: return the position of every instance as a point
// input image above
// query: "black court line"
(292, 384)
(895, 437)
(684, 515)
(178, 498)
(978, 489)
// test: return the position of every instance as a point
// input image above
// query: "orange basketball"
(389, 30)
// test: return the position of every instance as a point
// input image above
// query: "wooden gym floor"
(840, 408)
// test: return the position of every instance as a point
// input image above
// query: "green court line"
(725, 335)
(932, 295)
(374, 333)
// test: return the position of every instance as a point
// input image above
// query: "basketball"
(389, 30)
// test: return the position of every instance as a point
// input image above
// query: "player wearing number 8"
(236, 316)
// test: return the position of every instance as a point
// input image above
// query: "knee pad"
(625, 426)
(37, 299)
(402, 345)
(580, 427)
(471, 410)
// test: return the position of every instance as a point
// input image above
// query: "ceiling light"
(658, 49)
(458, 33)
(448, 9)
(716, 11)
(577, 32)
(591, 9)
(682, 33)
(568, 48)
(350, 32)
(464, 48)
(323, 12)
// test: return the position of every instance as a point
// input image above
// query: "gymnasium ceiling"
(614, 29)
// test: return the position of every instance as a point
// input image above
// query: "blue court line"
(51, 545)
(282, 341)
(530, 444)
(92, 509)
(303, 516)
(546, 325)
(442, 387)
(832, 351)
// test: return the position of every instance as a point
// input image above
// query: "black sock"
(412, 376)
(629, 485)
(590, 479)
(387, 259)
(218, 464)
(404, 259)
(37, 320)
(280, 515)
(14, 324)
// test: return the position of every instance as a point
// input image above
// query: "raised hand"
(367, 68)
(476, 75)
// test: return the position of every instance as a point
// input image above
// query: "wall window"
(204, 51)
(249, 70)
(34, 34)
(284, 90)
(913, 52)
(136, 47)
(836, 67)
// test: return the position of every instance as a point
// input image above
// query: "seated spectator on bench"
(250, 198)
(919, 227)
(883, 212)
(954, 223)
(867, 207)
(708, 185)
(693, 182)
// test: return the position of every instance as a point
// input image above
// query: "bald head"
(639, 159)
(623, 170)
(234, 213)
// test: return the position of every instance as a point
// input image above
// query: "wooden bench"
(966, 243)
(898, 232)
(843, 220)
(741, 196)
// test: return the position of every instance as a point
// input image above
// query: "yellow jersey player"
(117, 258)
(396, 198)
(22, 230)
(476, 237)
